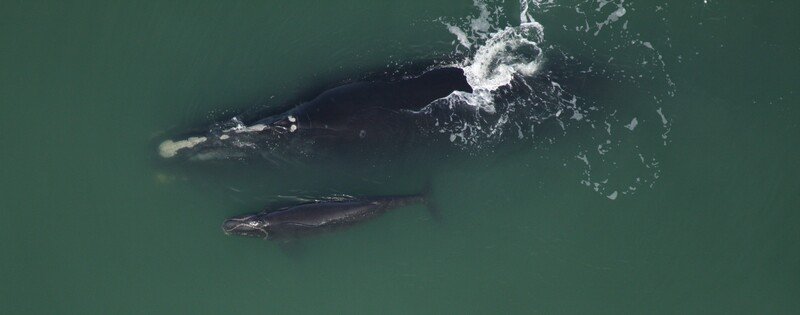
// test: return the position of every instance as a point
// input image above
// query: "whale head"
(250, 225)
(233, 140)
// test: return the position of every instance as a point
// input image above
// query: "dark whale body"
(312, 218)
(356, 112)
(341, 109)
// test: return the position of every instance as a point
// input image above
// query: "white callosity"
(170, 148)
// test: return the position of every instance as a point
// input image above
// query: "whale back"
(340, 105)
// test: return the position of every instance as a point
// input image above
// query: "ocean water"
(615, 157)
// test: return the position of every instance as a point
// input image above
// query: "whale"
(317, 217)
(360, 112)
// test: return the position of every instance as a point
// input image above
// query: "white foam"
(460, 35)
(482, 23)
(503, 53)
(612, 17)
(496, 62)
(583, 158)
(169, 148)
(663, 118)
(633, 124)
(498, 56)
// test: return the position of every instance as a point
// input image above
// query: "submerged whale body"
(312, 218)
(355, 112)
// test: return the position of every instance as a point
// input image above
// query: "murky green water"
(92, 222)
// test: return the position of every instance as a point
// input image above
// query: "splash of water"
(504, 60)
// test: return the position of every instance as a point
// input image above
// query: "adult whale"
(360, 111)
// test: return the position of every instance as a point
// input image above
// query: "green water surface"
(90, 224)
